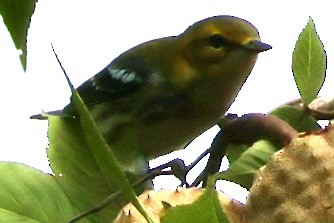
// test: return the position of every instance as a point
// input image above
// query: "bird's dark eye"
(217, 41)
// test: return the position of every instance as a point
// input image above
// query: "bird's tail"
(46, 115)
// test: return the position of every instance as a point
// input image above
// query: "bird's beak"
(257, 46)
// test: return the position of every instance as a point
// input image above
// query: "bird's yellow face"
(220, 43)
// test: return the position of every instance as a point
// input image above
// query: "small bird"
(161, 94)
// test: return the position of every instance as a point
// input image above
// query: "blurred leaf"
(296, 118)
(206, 208)
(30, 196)
(16, 15)
(309, 63)
(242, 170)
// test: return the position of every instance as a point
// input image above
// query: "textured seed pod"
(297, 185)
(157, 204)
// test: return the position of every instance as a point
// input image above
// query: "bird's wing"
(117, 80)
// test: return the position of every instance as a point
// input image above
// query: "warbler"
(161, 94)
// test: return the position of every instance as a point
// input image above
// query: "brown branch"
(247, 129)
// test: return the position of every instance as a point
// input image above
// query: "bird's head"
(222, 44)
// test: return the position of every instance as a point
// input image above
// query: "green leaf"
(206, 208)
(30, 196)
(309, 63)
(85, 165)
(103, 154)
(16, 15)
(76, 170)
(297, 119)
(242, 170)
(235, 151)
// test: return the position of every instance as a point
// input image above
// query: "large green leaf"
(85, 165)
(206, 208)
(30, 196)
(16, 15)
(76, 169)
(244, 166)
(309, 63)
